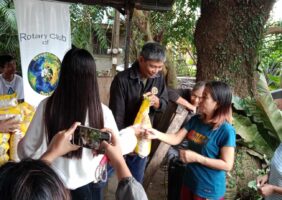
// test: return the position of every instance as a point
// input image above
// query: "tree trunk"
(227, 38)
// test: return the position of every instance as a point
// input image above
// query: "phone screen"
(89, 137)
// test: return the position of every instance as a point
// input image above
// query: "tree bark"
(143, 23)
(227, 37)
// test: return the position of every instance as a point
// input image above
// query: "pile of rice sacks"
(23, 112)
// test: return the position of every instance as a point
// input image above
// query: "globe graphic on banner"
(43, 73)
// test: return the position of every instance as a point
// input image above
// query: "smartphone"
(89, 137)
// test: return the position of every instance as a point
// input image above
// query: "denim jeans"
(136, 165)
(91, 191)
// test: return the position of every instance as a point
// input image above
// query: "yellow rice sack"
(4, 137)
(3, 159)
(27, 112)
(23, 112)
(9, 100)
(4, 147)
(9, 107)
(143, 147)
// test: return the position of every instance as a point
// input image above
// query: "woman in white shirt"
(75, 99)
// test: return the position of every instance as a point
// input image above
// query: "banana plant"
(8, 28)
(258, 120)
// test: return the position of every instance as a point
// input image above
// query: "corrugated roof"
(160, 5)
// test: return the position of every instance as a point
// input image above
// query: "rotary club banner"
(44, 37)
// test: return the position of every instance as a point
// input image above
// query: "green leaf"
(250, 134)
(262, 112)
(269, 112)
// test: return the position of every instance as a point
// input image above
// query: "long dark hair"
(31, 180)
(76, 95)
(222, 94)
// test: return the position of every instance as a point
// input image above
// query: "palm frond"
(263, 113)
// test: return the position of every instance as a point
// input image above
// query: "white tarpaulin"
(44, 36)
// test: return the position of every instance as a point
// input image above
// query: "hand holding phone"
(90, 137)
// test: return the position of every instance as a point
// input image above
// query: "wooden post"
(115, 41)
(129, 13)
(162, 149)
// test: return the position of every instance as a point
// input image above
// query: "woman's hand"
(151, 134)
(112, 150)
(114, 154)
(60, 144)
(188, 156)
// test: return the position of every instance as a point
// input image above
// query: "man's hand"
(9, 125)
(154, 100)
(261, 180)
(266, 190)
(139, 131)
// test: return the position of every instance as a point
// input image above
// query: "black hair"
(5, 59)
(31, 180)
(76, 96)
(198, 85)
(222, 94)
(153, 51)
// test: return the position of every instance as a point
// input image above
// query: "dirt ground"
(156, 191)
(158, 188)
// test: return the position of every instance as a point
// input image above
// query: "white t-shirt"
(15, 86)
(73, 172)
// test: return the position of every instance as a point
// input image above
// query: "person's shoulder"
(227, 128)
(195, 117)
(43, 102)
(125, 76)
(227, 125)
(41, 106)
(106, 110)
(18, 77)
(122, 76)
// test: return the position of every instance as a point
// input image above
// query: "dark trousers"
(176, 170)
(91, 191)
(136, 165)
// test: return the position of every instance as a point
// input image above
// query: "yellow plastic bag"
(143, 147)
